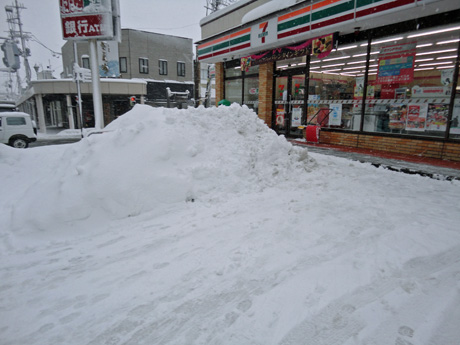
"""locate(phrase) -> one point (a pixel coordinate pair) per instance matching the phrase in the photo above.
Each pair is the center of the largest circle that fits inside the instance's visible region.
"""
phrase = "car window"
(15, 121)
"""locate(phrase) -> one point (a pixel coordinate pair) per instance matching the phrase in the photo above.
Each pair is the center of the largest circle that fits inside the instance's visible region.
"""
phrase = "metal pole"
(97, 97)
(78, 89)
(23, 43)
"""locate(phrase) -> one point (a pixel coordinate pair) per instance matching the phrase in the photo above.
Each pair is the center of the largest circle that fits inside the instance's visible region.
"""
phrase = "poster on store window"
(396, 63)
(359, 88)
(398, 116)
(335, 116)
(447, 76)
(455, 125)
(437, 117)
(416, 117)
(296, 120)
(280, 116)
(312, 110)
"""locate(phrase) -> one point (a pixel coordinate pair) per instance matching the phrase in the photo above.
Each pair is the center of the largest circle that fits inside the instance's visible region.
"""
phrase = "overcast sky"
(42, 19)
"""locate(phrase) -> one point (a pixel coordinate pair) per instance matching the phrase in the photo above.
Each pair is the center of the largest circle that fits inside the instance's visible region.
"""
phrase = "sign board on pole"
(87, 19)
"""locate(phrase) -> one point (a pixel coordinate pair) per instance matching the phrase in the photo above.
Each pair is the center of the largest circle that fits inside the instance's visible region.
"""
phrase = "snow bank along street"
(202, 226)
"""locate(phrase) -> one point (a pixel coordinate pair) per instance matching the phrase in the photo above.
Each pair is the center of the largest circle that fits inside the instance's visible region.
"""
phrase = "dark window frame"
(143, 66)
(163, 67)
(180, 69)
(123, 66)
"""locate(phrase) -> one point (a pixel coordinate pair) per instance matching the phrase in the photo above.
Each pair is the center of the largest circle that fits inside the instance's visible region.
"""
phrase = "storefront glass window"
(233, 72)
(242, 87)
(410, 87)
(455, 124)
(233, 91)
(251, 92)
(335, 87)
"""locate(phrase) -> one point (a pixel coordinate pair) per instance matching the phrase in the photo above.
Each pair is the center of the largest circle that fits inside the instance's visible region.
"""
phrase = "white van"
(16, 129)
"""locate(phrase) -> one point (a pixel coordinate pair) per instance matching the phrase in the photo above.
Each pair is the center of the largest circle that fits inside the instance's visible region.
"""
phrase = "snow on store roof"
(268, 8)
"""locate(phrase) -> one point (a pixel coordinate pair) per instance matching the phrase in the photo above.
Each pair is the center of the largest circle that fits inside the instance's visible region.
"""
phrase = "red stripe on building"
(334, 21)
(383, 7)
(294, 32)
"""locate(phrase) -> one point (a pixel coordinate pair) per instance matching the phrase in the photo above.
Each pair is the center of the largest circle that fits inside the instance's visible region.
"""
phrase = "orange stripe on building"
(245, 31)
(324, 3)
(294, 14)
(224, 38)
(204, 45)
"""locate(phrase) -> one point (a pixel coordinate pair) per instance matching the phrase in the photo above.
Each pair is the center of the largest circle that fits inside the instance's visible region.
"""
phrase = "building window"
(123, 65)
(181, 69)
(242, 87)
(143, 65)
(163, 66)
(85, 62)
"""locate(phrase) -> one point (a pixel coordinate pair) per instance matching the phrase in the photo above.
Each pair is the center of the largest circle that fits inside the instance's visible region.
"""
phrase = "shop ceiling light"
(349, 47)
(384, 41)
(447, 42)
(421, 60)
(370, 66)
(423, 69)
(437, 52)
(443, 67)
(364, 54)
(434, 32)
(446, 57)
(357, 62)
(337, 58)
(424, 45)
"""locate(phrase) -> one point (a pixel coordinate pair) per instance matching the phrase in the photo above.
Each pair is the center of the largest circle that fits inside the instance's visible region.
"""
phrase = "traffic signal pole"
(97, 96)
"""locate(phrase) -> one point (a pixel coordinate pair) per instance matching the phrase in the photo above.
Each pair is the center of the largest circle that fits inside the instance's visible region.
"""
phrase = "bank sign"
(87, 19)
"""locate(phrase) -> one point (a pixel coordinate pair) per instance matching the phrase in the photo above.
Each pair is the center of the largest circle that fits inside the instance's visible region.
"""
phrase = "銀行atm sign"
(86, 19)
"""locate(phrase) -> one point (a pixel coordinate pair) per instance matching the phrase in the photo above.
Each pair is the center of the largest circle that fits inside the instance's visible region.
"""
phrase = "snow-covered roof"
(268, 8)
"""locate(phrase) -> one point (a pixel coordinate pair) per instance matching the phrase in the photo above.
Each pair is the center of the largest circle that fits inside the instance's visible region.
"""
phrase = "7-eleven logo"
(264, 33)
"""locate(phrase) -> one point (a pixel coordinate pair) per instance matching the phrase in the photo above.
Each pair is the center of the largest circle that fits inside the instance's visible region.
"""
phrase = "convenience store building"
(374, 74)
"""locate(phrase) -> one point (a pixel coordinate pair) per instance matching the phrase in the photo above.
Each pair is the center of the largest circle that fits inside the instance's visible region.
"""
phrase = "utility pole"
(16, 32)
(214, 5)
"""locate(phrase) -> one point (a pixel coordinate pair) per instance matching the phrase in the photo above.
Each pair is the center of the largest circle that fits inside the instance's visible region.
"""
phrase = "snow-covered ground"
(202, 226)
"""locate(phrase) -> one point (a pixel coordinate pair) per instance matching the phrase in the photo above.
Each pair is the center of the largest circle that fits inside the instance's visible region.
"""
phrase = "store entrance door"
(289, 102)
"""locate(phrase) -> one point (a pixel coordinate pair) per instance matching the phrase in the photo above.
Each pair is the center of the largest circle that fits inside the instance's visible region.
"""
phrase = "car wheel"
(19, 143)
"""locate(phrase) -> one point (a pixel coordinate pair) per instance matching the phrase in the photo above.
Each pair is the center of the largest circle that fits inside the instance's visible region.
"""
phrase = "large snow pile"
(147, 158)
(100, 242)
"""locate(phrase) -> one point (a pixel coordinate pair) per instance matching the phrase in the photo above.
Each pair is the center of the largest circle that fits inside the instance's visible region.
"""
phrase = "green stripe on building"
(362, 3)
(205, 51)
(294, 22)
(226, 44)
(334, 10)
(240, 39)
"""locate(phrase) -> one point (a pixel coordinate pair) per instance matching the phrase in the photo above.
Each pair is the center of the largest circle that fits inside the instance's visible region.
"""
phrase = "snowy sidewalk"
(434, 168)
